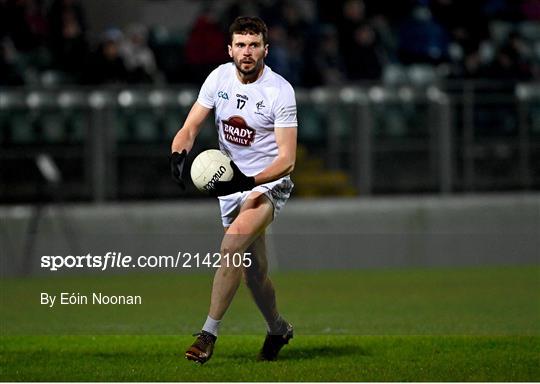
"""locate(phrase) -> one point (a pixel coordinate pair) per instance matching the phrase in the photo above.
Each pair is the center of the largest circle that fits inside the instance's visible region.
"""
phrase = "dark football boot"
(203, 347)
(273, 344)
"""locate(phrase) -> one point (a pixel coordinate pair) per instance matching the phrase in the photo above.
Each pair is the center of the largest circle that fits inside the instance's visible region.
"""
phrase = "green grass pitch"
(447, 324)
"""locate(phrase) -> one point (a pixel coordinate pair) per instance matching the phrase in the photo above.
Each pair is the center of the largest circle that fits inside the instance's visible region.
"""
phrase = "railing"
(112, 144)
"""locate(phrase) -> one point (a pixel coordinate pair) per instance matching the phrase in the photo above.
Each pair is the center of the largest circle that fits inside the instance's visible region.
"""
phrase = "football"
(208, 167)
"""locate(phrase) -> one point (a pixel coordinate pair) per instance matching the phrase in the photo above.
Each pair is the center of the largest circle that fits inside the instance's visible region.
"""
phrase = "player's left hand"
(177, 162)
(238, 183)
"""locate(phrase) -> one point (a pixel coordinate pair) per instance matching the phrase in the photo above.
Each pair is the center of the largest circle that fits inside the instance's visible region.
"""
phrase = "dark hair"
(248, 25)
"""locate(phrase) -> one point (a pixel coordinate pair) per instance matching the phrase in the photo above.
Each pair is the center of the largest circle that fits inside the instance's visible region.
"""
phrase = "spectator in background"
(511, 60)
(138, 57)
(394, 11)
(205, 45)
(279, 58)
(10, 68)
(68, 37)
(4, 19)
(242, 7)
(386, 38)
(297, 28)
(422, 39)
(353, 16)
(501, 9)
(362, 53)
(472, 66)
(294, 21)
(464, 21)
(106, 65)
(530, 9)
(326, 67)
(57, 14)
(368, 60)
(27, 24)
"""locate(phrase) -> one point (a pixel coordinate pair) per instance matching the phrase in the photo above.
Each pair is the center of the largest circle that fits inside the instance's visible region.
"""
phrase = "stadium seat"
(75, 124)
(499, 31)
(53, 78)
(311, 131)
(53, 128)
(134, 126)
(529, 30)
(22, 131)
(145, 127)
(421, 75)
(537, 51)
(171, 123)
(394, 75)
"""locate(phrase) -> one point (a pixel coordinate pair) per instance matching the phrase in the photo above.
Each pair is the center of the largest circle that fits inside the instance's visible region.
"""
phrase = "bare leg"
(255, 215)
(261, 287)
(246, 232)
(258, 282)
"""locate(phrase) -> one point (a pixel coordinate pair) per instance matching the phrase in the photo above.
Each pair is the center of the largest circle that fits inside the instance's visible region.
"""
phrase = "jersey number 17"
(240, 103)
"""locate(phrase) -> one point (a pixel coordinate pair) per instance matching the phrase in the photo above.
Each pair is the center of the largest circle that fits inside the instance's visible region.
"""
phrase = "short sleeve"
(285, 108)
(208, 90)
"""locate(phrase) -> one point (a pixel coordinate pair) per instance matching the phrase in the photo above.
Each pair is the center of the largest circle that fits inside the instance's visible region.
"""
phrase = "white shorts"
(277, 191)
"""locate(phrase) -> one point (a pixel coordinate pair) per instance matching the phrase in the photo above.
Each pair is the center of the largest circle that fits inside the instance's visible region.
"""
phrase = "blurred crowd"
(312, 43)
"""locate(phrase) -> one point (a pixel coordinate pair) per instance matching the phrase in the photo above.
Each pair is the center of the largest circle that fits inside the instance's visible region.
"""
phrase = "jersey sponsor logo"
(223, 95)
(236, 131)
(242, 97)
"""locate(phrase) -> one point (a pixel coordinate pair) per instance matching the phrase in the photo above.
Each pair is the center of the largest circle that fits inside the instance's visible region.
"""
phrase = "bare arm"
(283, 164)
(185, 137)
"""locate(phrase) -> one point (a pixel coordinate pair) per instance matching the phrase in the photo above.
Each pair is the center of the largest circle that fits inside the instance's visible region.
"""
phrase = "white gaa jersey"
(246, 114)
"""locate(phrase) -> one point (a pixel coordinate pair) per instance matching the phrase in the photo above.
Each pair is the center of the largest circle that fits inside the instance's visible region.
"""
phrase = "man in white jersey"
(255, 114)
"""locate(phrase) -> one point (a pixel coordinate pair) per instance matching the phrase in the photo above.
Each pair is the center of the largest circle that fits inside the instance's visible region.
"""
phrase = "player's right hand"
(177, 162)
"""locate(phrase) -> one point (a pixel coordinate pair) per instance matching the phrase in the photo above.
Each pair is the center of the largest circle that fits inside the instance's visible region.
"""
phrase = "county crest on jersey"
(246, 114)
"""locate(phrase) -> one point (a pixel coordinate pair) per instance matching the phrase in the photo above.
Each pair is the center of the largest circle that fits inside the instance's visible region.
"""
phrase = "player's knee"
(234, 242)
(238, 228)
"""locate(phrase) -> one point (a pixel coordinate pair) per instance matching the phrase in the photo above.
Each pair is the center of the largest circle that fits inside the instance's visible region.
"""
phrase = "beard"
(257, 65)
